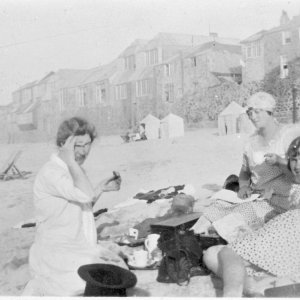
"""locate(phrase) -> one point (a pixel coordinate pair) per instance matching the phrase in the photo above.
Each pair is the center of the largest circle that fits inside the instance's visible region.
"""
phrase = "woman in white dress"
(66, 234)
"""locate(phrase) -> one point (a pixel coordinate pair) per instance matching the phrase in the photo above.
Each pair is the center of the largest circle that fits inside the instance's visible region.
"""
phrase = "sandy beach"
(201, 158)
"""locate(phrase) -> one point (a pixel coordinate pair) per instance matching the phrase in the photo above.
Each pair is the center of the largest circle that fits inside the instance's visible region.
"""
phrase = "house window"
(121, 91)
(167, 70)
(284, 71)
(151, 57)
(253, 49)
(130, 62)
(143, 87)
(169, 92)
(100, 94)
(82, 97)
(194, 61)
(103, 95)
(286, 37)
(62, 99)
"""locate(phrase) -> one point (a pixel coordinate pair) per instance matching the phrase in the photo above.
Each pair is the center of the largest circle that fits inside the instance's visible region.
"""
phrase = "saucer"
(130, 241)
(133, 266)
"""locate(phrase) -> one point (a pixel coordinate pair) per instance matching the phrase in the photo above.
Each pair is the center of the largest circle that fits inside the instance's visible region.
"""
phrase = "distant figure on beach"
(142, 133)
(66, 233)
(135, 137)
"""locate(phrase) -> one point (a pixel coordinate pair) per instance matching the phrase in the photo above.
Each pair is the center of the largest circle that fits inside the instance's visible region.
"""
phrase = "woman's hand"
(112, 183)
(245, 192)
(66, 152)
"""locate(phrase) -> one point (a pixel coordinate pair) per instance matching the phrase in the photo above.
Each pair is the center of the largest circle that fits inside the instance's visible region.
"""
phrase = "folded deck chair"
(10, 170)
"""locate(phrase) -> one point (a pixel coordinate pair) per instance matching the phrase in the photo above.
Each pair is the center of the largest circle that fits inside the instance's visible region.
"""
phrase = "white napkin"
(232, 197)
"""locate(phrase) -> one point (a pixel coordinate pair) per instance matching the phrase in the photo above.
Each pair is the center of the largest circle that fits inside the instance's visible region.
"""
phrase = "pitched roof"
(150, 119)
(27, 86)
(178, 39)
(254, 37)
(71, 78)
(171, 117)
(216, 46)
(101, 73)
(294, 22)
(232, 109)
(134, 47)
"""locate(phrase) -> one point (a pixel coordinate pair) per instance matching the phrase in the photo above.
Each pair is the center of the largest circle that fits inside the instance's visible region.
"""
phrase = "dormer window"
(167, 70)
(286, 37)
(130, 62)
(82, 96)
(151, 57)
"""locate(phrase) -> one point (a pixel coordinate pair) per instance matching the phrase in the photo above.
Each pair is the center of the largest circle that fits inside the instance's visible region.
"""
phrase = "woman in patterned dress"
(261, 170)
(271, 250)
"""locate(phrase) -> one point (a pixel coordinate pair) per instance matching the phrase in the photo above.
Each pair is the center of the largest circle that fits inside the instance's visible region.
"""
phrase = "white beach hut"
(233, 119)
(171, 126)
(152, 125)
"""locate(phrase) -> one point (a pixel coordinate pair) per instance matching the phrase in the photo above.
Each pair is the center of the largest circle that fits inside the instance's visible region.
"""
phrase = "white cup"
(140, 258)
(134, 233)
(151, 242)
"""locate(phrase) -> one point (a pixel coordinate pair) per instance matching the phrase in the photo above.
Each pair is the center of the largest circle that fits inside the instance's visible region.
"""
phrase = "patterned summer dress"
(274, 247)
(263, 177)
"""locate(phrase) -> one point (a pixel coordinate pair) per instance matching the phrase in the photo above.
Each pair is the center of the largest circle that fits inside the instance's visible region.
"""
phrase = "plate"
(150, 266)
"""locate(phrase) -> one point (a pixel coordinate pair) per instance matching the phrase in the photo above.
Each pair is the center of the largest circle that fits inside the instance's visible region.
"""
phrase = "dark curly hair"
(293, 150)
(74, 126)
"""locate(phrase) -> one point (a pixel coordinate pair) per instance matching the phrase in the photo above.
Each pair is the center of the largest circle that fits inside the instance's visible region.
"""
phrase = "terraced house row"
(149, 76)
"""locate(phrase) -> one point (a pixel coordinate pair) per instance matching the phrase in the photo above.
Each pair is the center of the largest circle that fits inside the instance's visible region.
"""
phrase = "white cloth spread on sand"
(66, 234)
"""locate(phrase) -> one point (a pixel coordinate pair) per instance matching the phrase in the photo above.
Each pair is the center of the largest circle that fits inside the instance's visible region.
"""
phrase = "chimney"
(284, 19)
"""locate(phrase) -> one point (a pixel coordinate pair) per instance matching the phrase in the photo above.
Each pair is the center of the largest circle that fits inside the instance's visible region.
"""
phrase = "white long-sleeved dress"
(66, 234)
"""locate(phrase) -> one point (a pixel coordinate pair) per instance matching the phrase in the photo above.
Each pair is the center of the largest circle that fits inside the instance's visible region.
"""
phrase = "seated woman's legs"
(230, 267)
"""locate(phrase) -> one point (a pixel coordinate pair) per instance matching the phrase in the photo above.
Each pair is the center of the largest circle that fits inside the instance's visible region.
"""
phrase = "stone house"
(268, 49)
(138, 87)
(130, 63)
(194, 70)
(99, 102)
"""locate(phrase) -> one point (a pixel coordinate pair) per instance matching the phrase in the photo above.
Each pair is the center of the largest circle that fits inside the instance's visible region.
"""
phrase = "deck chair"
(10, 169)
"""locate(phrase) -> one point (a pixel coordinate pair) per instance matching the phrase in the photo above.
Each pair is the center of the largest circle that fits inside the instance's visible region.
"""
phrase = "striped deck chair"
(10, 169)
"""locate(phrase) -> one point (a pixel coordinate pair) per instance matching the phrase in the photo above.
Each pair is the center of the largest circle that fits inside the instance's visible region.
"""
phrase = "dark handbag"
(182, 256)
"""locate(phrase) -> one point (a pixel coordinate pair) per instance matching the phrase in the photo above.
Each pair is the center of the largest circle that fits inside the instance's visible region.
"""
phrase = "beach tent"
(152, 125)
(233, 119)
(171, 126)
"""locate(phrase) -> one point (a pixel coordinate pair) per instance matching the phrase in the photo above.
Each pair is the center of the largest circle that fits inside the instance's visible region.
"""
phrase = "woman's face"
(82, 148)
(259, 117)
(295, 167)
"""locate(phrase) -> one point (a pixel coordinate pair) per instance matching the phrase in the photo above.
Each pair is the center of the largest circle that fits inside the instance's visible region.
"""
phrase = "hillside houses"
(149, 76)
(268, 49)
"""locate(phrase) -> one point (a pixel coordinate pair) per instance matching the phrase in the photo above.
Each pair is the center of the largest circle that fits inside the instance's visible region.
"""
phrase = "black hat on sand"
(106, 280)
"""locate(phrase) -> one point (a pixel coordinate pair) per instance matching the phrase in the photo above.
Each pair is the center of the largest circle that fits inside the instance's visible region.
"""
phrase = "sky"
(39, 36)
